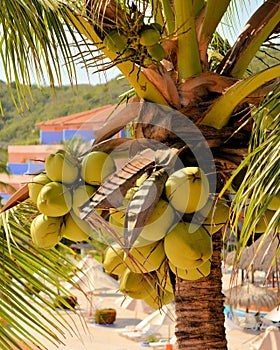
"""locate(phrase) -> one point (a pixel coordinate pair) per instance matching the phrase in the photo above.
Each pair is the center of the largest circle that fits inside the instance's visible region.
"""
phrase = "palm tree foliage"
(30, 281)
(202, 76)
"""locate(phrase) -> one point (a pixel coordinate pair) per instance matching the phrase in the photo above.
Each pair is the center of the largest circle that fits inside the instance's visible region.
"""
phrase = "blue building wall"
(85, 135)
(17, 169)
(55, 137)
(4, 197)
(35, 168)
(51, 137)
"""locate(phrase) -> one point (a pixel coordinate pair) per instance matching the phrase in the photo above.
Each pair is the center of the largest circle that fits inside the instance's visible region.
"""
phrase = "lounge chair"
(250, 322)
(231, 324)
(141, 334)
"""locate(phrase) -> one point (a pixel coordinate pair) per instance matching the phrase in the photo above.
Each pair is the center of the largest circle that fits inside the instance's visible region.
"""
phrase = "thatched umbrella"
(248, 295)
(260, 256)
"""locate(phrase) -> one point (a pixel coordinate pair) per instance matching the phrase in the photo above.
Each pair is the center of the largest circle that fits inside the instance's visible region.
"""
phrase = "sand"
(84, 334)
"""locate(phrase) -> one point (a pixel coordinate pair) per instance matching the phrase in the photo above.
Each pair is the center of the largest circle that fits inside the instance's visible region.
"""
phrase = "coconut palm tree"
(199, 95)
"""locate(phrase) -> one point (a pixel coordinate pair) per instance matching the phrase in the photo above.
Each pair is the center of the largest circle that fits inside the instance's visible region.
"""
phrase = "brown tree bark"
(199, 305)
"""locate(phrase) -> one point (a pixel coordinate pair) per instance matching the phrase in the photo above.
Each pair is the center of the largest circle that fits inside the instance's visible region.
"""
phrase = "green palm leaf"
(34, 39)
(30, 281)
(261, 181)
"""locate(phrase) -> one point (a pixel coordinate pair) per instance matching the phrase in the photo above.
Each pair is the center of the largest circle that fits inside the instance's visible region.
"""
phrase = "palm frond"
(258, 28)
(261, 181)
(30, 281)
(220, 111)
(34, 44)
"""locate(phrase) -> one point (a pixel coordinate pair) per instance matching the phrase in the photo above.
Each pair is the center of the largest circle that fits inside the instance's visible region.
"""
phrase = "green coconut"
(187, 189)
(61, 167)
(116, 220)
(36, 184)
(188, 246)
(192, 274)
(96, 166)
(115, 41)
(81, 195)
(275, 202)
(149, 37)
(76, 229)
(159, 223)
(46, 231)
(54, 199)
(216, 215)
(159, 298)
(156, 52)
(264, 221)
(145, 258)
(136, 285)
(113, 262)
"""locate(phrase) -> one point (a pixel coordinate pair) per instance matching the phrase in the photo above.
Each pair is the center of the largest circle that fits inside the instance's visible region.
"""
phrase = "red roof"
(92, 119)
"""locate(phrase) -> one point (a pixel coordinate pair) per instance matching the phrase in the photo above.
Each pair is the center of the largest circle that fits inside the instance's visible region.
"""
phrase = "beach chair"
(250, 322)
(231, 324)
(141, 334)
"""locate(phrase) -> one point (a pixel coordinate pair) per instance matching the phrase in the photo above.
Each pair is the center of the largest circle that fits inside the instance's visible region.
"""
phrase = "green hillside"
(18, 128)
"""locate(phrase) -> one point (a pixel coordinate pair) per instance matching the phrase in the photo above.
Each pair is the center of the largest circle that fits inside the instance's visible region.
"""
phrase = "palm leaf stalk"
(220, 104)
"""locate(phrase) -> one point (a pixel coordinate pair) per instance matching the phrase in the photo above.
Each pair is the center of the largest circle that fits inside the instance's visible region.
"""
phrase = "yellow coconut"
(159, 222)
(116, 220)
(146, 258)
(136, 285)
(163, 276)
(264, 221)
(114, 260)
(192, 274)
(159, 298)
(62, 167)
(54, 199)
(187, 189)
(81, 195)
(155, 228)
(96, 166)
(188, 245)
(140, 242)
(76, 229)
(46, 231)
(216, 215)
(36, 184)
(275, 202)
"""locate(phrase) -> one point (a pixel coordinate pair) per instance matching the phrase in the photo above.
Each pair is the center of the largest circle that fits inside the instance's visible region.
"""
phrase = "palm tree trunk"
(200, 322)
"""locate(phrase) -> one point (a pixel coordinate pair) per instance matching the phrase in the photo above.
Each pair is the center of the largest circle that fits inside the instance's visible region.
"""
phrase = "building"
(26, 160)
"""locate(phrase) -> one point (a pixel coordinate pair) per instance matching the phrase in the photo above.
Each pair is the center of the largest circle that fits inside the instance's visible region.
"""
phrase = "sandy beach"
(83, 334)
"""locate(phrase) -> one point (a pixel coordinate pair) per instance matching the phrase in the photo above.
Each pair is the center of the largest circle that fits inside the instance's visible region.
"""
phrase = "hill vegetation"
(19, 128)
(16, 128)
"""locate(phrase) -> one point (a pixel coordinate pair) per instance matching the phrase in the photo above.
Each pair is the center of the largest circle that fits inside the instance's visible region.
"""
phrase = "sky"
(82, 78)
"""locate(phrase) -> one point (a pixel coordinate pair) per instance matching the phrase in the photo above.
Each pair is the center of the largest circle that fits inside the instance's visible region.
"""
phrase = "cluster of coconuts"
(167, 246)
(66, 184)
(144, 45)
